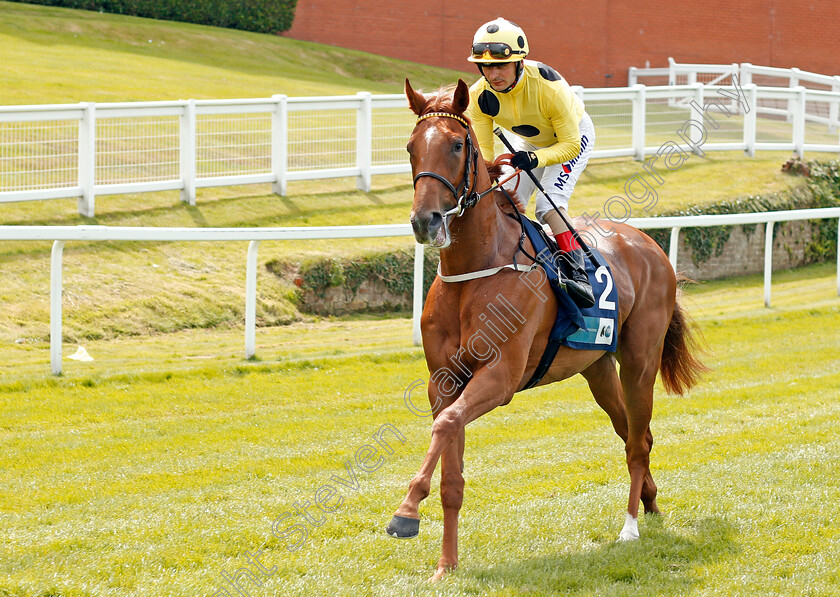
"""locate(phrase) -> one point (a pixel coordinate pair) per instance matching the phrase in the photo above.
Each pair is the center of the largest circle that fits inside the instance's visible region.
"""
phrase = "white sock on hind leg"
(630, 532)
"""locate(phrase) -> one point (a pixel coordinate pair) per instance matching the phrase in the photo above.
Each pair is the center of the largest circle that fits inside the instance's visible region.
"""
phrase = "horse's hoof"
(439, 573)
(402, 527)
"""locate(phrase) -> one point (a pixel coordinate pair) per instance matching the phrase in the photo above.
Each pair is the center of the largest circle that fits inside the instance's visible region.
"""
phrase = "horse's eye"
(459, 145)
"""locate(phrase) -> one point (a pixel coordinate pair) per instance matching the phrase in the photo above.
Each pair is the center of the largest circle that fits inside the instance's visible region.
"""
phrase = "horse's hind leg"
(638, 374)
(608, 391)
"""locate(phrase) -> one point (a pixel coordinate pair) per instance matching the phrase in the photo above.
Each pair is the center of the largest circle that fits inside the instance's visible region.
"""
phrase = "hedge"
(262, 16)
(822, 190)
(392, 271)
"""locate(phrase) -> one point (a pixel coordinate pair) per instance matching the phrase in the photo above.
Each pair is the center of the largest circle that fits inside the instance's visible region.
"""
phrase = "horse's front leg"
(451, 497)
(487, 390)
(405, 523)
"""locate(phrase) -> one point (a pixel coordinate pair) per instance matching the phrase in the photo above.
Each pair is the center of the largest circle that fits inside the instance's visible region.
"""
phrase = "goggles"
(496, 50)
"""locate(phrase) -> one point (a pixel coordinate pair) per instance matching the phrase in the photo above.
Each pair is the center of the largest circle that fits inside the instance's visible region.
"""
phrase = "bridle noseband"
(468, 197)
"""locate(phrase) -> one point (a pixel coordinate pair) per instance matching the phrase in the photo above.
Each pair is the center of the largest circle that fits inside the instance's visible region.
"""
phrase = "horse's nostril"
(435, 221)
(426, 225)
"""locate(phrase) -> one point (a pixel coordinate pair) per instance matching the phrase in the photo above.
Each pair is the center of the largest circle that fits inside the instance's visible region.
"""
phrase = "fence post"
(55, 306)
(639, 125)
(187, 157)
(746, 74)
(631, 76)
(834, 107)
(735, 105)
(745, 78)
(751, 92)
(794, 83)
(364, 140)
(768, 262)
(799, 122)
(251, 299)
(672, 80)
(697, 132)
(280, 144)
(87, 160)
(674, 246)
(417, 307)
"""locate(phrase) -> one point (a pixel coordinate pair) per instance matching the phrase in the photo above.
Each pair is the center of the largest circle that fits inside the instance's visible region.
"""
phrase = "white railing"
(680, 73)
(60, 234)
(769, 218)
(85, 150)
(685, 74)
(718, 74)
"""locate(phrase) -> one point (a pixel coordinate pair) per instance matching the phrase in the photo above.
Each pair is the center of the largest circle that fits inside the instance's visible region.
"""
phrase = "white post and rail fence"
(88, 150)
(768, 76)
(254, 236)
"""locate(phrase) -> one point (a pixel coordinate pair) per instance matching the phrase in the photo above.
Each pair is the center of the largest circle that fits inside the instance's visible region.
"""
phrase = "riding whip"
(583, 245)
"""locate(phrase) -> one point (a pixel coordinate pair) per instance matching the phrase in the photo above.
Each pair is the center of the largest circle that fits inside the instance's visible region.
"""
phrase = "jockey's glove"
(524, 160)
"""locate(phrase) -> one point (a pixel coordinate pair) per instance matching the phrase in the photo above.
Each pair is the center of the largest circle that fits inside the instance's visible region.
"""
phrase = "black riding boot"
(577, 282)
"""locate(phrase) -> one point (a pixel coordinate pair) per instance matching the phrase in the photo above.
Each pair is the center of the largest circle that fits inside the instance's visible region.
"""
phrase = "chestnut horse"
(467, 381)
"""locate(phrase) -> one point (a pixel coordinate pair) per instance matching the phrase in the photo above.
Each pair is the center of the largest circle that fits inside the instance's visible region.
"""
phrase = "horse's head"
(441, 153)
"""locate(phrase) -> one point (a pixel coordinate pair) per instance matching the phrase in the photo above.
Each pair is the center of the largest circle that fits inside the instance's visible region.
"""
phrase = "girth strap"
(545, 362)
(484, 273)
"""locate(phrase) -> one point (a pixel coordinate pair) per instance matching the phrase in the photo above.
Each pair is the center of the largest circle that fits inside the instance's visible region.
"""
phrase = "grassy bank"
(57, 55)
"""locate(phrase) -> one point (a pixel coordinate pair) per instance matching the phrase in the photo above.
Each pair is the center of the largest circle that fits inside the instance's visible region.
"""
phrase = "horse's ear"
(461, 97)
(416, 100)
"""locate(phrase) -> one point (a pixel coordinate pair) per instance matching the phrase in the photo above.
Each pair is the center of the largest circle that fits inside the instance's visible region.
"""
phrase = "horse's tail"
(681, 368)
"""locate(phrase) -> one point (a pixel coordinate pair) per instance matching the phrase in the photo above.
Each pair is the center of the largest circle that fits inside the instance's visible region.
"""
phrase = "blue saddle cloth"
(593, 328)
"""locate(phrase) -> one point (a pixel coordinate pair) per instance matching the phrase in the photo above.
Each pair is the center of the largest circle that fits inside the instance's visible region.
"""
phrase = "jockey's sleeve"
(564, 110)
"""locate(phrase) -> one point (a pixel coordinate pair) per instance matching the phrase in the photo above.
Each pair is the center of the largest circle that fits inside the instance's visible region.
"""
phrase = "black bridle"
(465, 194)
(469, 196)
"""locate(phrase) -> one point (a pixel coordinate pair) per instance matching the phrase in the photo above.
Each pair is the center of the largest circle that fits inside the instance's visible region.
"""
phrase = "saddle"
(593, 328)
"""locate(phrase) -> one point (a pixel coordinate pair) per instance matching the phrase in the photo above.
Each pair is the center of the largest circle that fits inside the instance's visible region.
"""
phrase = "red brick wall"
(591, 43)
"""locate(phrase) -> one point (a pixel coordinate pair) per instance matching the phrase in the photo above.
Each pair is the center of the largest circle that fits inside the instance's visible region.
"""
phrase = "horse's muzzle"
(429, 228)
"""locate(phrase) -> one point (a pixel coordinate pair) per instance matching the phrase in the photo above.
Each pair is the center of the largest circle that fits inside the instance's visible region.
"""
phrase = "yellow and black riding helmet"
(499, 41)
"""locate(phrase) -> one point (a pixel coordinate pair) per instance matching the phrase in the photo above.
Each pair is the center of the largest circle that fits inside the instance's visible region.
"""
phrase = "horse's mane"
(441, 100)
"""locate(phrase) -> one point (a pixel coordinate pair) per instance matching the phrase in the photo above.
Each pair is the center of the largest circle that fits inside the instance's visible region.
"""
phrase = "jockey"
(553, 134)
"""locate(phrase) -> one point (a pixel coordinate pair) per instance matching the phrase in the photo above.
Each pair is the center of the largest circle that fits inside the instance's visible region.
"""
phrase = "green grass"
(161, 463)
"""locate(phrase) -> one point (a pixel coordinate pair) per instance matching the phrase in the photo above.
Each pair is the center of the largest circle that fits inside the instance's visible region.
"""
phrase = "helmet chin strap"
(519, 70)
